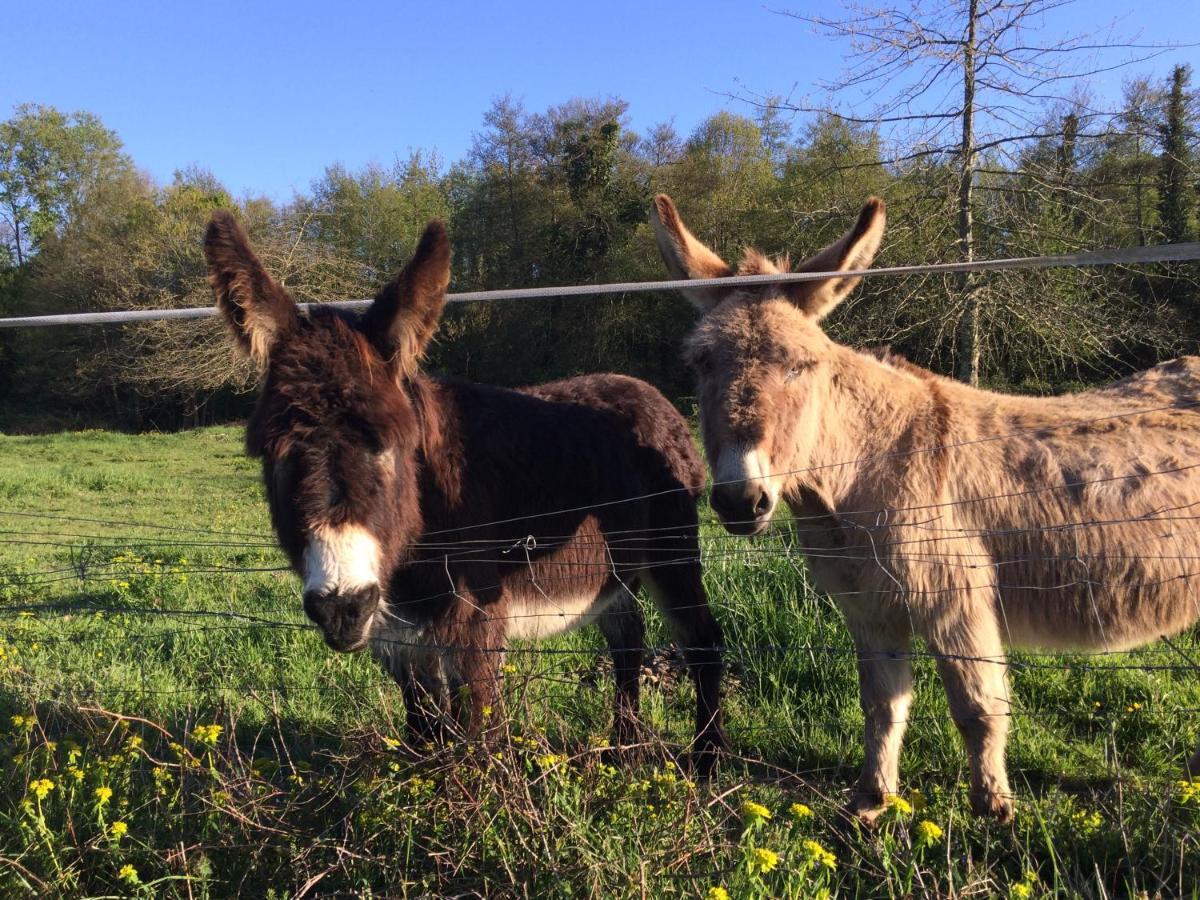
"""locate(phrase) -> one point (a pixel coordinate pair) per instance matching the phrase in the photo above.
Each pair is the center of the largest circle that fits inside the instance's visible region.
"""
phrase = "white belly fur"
(559, 613)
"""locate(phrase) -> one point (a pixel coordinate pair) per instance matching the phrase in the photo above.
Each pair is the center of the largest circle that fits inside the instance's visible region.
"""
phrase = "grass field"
(155, 745)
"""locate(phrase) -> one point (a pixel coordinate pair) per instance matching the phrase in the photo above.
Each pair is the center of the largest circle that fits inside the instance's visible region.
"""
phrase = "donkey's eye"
(791, 373)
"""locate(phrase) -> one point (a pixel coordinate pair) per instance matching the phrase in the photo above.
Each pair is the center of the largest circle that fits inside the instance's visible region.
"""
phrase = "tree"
(49, 162)
(1176, 174)
(960, 82)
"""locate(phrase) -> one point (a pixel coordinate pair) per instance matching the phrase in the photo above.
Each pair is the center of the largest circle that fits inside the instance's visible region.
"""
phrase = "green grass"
(110, 673)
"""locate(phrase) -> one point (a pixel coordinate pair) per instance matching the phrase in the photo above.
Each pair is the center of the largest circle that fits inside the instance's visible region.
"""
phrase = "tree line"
(561, 196)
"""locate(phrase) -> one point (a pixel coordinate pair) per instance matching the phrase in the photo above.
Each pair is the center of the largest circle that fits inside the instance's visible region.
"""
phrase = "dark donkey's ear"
(405, 314)
(256, 308)
(685, 256)
(853, 250)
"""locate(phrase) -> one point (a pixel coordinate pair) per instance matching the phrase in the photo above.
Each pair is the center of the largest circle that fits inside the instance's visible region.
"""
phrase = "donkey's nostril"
(762, 506)
(316, 608)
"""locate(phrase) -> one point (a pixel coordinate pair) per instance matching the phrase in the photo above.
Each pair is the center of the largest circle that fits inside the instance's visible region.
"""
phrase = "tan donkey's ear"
(257, 310)
(853, 251)
(685, 256)
(405, 314)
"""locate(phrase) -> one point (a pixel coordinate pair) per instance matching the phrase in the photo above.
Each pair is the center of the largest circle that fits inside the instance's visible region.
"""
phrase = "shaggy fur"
(970, 519)
(494, 513)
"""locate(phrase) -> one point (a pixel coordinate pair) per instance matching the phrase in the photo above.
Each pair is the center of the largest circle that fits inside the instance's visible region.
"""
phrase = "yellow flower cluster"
(550, 760)
(818, 854)
(1189, 791)
(800, 812)
(754, 813)
(764, 860)
(129, 873)
(1022, 890)
(207, 734)
(898, 804)
(23, 723)
(1087, 823)
(41, 787)
(103, 795)
(928, 833)
(118, 829)
(717, 893)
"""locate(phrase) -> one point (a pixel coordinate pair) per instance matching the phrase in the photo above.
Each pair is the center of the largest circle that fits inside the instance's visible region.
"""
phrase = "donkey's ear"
(405, 314)
(257, 310)
(685, 256)
(854, 250)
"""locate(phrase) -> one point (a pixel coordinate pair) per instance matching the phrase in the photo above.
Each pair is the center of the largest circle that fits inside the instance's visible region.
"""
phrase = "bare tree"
(963, 83)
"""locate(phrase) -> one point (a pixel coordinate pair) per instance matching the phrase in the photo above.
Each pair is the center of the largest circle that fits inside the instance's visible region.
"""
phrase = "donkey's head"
(337, 424)
(761, 359)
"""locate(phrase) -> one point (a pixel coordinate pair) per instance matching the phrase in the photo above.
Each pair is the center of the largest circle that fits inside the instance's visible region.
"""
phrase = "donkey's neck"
(878, 416)
(439, 449)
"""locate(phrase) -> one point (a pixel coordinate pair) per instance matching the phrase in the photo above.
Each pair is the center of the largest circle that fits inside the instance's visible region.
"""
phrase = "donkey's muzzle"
(743, 507)
(344, 617)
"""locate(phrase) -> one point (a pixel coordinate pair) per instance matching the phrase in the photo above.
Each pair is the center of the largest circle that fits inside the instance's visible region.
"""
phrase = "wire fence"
(880, 531)
(1160, 253)
(1080, 557)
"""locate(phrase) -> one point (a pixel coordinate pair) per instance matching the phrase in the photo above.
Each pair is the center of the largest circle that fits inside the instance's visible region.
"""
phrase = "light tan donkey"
(969, 519)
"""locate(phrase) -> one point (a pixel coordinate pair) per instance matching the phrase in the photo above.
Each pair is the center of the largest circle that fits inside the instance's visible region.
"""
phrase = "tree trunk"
(968, 326)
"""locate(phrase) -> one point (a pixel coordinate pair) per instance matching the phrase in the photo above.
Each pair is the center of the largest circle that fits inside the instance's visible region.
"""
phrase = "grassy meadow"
(170, 726)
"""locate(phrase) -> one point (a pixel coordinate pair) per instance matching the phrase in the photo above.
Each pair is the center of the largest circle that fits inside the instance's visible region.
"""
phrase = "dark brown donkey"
(434, 520)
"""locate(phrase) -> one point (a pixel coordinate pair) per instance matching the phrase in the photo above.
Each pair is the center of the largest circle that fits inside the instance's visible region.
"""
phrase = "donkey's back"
(1091, 529)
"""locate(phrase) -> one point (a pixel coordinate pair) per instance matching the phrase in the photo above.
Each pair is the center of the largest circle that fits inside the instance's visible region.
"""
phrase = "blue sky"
(267, 94)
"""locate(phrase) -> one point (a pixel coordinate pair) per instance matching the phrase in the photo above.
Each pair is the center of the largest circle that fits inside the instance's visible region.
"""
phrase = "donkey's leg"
(973, 667)
(678, 593)
(883, 643)
(1193, 765)
(623, 628)
(424, 693)
(478, 659)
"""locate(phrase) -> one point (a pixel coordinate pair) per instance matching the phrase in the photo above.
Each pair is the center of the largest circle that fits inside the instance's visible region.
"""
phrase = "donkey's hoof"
(992, 805)
(865, 807)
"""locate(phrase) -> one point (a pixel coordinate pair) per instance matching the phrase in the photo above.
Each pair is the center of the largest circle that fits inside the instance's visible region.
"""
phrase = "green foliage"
(1177, 175)
(49, 162)
(561, 197)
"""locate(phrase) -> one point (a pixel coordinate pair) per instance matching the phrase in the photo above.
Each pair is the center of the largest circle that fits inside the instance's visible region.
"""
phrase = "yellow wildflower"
(207, 734)
(103, 795)
(764, 860)
(41, 787)
(1087, 822)
(717, 893)
(129, 873)
(928, 833)
(1021, 891)
(1189, 791)
(818, 854)
(898, 804)
(755, 812)
(800, 812)
(118, 829)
